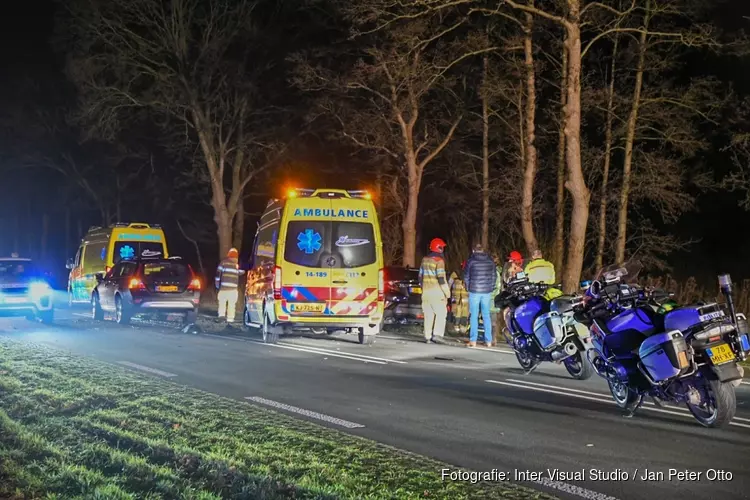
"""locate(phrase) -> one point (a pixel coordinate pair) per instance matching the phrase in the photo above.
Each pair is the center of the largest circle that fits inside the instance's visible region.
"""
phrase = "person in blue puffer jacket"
(480, 277)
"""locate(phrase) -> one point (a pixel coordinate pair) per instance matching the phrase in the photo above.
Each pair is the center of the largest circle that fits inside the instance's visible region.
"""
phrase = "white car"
(24, 290)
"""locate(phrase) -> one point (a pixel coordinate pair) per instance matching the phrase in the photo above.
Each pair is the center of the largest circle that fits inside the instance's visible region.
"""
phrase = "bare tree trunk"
(410, 217)
(485, 157)
(576, 183)
(239, 225)
(45, 237)
(559, 253)
(527, 206)
(622, 215)
(599, 261)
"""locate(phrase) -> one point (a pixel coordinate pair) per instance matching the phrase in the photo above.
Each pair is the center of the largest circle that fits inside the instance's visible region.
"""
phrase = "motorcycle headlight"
(39, 289)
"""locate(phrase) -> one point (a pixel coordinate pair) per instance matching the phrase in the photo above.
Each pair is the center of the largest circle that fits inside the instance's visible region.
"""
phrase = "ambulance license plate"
(721, 354)
(307, 308)
(170, 288)
(416, 289)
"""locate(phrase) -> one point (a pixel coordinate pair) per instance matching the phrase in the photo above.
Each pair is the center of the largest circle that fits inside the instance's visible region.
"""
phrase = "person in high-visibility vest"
(435, 292)
(539, 270)
(459, 303)
(227, 283)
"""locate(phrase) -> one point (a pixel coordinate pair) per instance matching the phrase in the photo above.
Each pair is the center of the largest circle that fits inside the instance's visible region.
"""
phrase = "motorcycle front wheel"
(578, 367)
(625, 397)
(718, 403)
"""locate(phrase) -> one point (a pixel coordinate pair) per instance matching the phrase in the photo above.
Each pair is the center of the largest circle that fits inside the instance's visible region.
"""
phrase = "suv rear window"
(310, 243)
(137, 249)
(165, 270)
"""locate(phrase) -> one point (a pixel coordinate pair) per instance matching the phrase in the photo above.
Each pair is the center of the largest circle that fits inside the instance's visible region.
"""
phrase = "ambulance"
(102, 248)
(317, 265)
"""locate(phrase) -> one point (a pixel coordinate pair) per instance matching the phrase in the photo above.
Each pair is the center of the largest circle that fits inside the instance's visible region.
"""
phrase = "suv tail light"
(381, 285)
(277, 283)
(195, 285)
(136, 284)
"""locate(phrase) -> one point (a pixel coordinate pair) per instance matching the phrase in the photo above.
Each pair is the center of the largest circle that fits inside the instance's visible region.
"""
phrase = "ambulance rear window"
(354, 242)
(125, 250)
(311, 243)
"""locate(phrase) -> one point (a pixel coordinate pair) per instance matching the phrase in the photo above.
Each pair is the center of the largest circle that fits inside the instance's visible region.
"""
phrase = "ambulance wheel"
(97, 312)
(365, 339)
(246, 318)
(270, 334)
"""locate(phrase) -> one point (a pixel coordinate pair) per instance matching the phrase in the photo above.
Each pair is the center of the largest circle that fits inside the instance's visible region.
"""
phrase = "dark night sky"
(25, 49)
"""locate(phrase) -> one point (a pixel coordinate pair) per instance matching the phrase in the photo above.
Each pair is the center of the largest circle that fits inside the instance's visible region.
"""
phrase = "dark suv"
(147, 286)
(403, 296)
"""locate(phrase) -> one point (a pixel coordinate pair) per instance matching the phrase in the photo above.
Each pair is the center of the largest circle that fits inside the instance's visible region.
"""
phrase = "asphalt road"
(471, 408)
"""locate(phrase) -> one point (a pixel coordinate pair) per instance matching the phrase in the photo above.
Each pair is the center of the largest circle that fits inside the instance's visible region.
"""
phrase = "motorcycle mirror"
(595, 289)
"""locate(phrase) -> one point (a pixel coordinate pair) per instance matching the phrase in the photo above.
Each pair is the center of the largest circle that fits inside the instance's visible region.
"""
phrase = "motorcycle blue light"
(745, 341)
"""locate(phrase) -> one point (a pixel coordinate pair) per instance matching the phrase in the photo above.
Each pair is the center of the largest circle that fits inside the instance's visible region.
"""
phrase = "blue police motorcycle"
(539, 330)
(644, 346)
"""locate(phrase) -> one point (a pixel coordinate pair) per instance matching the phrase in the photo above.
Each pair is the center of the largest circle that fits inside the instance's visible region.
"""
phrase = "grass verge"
(73, 427)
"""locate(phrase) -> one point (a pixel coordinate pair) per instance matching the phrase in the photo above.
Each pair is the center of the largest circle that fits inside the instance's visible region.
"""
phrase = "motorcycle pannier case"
(549, 330)
(664, 355)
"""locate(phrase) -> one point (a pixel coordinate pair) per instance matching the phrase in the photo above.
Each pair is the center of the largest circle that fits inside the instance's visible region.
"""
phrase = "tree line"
(582, 128)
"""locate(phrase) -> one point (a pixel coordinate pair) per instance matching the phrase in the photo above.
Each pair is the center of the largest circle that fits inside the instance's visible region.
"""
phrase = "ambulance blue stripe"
(306, 293)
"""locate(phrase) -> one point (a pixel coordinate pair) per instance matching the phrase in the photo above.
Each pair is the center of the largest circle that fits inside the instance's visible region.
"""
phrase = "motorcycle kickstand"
(635, 409)
(528, 372)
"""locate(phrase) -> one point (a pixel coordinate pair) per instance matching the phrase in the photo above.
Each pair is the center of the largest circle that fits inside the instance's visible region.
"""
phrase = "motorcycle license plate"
(307, 308)
(416, 289)
(721, 354)
(167, 288)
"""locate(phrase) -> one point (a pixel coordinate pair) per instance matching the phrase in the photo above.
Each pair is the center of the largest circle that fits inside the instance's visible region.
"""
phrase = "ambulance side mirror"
(70, 264)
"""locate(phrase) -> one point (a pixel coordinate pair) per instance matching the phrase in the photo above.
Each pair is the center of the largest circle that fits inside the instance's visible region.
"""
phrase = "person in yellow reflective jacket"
(539, 270)
(435, 292)
(459, 303)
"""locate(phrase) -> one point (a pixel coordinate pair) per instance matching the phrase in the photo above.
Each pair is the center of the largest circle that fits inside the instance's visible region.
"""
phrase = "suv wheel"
(122, 315)
(96, 308)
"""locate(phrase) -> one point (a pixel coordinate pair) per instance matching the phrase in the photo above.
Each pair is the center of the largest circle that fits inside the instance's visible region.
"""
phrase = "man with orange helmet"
(435, 291)
(227, 283)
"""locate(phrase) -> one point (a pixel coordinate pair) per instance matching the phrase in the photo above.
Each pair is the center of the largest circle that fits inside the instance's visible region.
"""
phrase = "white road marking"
(147, 369)
(335, 355)
(330, 351)
(601, 399)
(604, 395)
(314, 350)
(745, 383)
(307, 413)
(573, 490)
(82, 315)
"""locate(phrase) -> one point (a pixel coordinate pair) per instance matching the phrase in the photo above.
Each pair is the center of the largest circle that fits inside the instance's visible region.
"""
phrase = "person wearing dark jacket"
(480, 277)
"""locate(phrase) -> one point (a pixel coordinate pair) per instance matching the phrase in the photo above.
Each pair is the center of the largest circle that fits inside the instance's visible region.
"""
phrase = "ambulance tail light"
(381, 285)
(277, 283)
(107, 269)
(195, 285)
